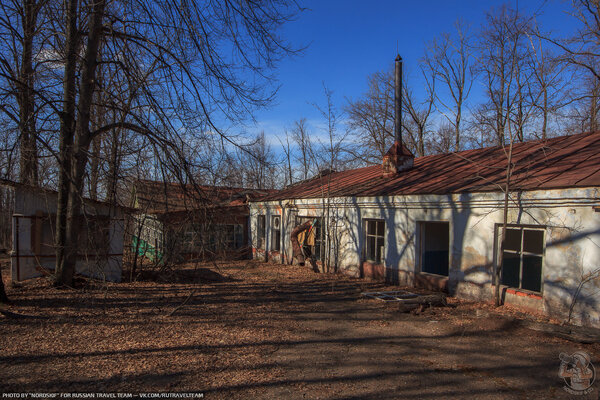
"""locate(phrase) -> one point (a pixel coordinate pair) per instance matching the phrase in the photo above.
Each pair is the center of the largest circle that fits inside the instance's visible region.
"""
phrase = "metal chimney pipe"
(398, 100)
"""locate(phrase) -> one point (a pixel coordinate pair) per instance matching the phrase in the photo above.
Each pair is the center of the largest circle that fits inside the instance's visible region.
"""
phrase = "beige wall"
(571, 226)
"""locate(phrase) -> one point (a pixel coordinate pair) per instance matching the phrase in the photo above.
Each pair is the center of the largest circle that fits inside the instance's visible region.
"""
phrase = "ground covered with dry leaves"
(256, 330)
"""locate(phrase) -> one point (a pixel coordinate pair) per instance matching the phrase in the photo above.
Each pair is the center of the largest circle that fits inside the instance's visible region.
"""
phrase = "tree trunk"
(79, 157)
(504, 225)
(67, 128)
(27, 128)
(3, 296)
(500, 127)
(457, 131)
(97, 120)
(594, 109)
(113, 166)
(545, 114)
(289, 160)
(95, 167)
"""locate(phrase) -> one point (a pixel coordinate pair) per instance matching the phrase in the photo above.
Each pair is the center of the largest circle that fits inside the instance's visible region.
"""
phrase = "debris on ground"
(259, 330)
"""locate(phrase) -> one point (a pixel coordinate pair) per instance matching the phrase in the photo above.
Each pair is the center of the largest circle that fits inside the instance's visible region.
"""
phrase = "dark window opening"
(213, 237)
(435, 247)
(260, 228)
(522, 258)
(231, 236)
(374, 240)
(276, 233)
(313, 240)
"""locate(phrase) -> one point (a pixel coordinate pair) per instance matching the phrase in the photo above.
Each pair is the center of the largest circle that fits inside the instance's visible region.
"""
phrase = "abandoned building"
(435, 221)
(33, 209)
(438, 223)
(176, 222)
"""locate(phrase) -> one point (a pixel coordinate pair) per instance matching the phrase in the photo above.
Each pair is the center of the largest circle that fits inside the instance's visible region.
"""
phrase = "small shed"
(176, 222)
(100, 245)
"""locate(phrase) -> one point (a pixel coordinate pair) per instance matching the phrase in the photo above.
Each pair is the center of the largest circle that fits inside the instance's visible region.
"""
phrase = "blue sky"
(348, 40)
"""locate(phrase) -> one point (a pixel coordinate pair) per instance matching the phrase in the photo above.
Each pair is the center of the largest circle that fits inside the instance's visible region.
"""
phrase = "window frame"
(521, 253)
(261, 231)
(422, 229)
(212, 237)
(275, 244)
(229, 236)
(376, 236)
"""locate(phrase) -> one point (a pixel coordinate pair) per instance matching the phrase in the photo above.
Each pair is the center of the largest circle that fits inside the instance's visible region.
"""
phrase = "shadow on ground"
(269, 332)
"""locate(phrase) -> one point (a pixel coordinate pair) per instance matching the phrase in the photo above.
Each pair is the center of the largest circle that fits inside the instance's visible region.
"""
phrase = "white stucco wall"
(25, 263)
(572, 239)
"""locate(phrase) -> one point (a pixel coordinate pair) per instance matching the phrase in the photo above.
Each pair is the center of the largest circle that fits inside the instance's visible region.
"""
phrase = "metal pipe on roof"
(398, 100)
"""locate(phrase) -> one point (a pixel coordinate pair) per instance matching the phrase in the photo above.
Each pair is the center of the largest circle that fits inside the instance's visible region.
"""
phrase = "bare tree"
(593, 107)
(173, 77)
(582, 112)
(371, 119)
(333, 148)
(257, 164)
(500, 62)
(508, 150)
(75, 134)
(451, 60)
(305, 158)
(287, 151)
(583, 48)
(418, 121)
(524, 107)
(19, 27)
(550, 86)
(444, 139)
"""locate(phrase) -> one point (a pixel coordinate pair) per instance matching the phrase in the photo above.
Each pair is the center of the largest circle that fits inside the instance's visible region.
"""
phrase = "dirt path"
(263, 331)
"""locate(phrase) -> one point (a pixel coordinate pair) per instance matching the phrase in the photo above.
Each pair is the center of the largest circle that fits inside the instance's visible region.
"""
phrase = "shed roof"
(561, 162)
(165, 197)
(52, 192)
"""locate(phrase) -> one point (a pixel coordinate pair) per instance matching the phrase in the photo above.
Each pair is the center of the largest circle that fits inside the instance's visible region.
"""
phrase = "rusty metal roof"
(562, 162)
(166, 197)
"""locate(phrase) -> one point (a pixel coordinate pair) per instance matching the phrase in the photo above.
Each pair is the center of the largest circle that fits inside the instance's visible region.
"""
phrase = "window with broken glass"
(276, 233)
(374, 239)
(313, 239)
(260, 231)
(522, 258)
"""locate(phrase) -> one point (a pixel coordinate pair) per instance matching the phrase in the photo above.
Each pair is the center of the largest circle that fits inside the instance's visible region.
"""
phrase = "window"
(435, 245)
(212, 237)
(238, 236)
(313, 239)
(190, 239)
(522, 258)
(276, 233)
(374, 238)
(260, 232)
(230, 236)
